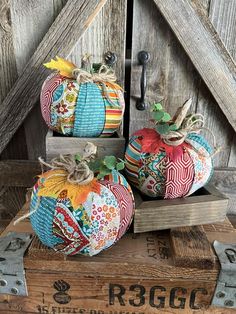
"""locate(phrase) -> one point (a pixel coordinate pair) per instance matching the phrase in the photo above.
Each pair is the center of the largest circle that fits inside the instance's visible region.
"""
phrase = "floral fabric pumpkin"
(83, 219)
(81, 109)
(160, 170)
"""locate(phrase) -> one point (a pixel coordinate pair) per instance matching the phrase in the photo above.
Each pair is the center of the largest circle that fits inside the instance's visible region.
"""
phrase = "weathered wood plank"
(223, 15)
(106, 33)
(225, 180)
(17, 147)
(191, 248)
(170, 74)
(60, 39)
(190, 211)
(21, 173)
(203, 46)
(29, 24)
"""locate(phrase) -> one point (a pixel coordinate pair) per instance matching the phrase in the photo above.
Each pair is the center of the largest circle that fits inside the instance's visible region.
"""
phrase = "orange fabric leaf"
(56, 182)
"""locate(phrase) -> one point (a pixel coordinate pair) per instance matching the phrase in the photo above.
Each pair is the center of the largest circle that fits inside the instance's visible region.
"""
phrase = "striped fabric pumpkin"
(160, 170)
(81, 110)
(89, 227)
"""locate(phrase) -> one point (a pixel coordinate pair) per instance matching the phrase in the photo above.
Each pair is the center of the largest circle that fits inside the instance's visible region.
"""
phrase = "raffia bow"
(105, 74)
(76, 172)
(193, 123)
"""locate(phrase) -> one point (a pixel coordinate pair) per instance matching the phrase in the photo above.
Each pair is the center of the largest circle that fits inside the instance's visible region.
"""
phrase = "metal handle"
(143, 57)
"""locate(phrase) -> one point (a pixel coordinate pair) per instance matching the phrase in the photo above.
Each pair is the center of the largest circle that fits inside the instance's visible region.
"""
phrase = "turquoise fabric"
(89, 111)
(200, 140)
(42, 220)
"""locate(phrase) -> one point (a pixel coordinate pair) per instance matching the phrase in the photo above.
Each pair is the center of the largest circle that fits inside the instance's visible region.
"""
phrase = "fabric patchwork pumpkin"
(160, 170)
(81, 110)
(81, 219)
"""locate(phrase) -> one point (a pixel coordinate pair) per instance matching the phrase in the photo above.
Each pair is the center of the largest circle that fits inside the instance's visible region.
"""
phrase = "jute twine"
(193, 123)
(75, 172)
(105, 74)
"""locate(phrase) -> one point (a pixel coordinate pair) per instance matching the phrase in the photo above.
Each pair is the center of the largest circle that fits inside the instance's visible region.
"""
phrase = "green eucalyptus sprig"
(162, 119)
(105, 166)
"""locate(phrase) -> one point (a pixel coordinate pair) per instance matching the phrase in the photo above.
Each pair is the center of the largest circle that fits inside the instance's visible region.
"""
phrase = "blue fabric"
(42, 219)
(200, 140)
(89, 111)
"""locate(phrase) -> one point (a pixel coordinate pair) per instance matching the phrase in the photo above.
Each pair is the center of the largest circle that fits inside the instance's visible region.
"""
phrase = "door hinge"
(225, 293)
(12, 273)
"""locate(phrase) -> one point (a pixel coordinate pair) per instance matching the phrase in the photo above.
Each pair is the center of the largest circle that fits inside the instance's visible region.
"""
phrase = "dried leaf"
(64, 67)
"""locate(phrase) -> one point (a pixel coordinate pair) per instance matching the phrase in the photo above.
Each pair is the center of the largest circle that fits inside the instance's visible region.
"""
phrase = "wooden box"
(167, 272)
(207, 206)
(57, 144)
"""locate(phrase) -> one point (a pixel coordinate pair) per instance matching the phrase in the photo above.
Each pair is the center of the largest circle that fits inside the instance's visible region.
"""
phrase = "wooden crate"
(57, 144)
(171, 272)
(208, 206)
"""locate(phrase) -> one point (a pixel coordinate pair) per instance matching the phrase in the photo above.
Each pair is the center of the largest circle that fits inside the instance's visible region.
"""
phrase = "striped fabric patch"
(89, 112)
(46, 96)
(179, 176)
(114, 112)
(132, 159)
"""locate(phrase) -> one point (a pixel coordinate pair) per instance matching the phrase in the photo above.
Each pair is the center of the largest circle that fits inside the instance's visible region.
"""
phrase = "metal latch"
(225, 293)
(12, 273)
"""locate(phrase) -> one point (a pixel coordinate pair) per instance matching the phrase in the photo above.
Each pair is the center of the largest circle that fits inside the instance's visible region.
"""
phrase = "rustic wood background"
(171, 74)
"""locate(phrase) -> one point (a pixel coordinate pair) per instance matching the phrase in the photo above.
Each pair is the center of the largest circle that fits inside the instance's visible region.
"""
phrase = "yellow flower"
(56, 182)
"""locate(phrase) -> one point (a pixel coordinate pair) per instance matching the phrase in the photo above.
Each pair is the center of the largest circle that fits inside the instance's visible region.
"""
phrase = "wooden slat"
(71, 23)
(225, 180)
(29, 24)
(190, 211)
(171, 77)
(203, 46)
(21, 173)
(17, 146)
(191, 248)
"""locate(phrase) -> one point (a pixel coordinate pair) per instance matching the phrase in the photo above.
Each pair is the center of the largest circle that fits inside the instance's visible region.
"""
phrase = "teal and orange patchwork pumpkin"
(78, 103)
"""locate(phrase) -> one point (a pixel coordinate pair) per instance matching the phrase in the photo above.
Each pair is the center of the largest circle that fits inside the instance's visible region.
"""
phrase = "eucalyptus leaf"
(157, 106)
(173, 127)
(95, 165)
(158, 115)
(120, 166)
(162, 128)
(166, 117)
(78, 157)
(110, 162)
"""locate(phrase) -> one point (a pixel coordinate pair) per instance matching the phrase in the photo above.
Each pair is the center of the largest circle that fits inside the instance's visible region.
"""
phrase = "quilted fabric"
(81, 110)
(159, 170)
(96, 224)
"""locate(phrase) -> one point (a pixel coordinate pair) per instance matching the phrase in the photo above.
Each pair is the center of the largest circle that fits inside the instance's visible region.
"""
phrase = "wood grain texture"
(106, 33)
(29, 24)
(170, 73)
(222, 15)
(16, 148)
(21, 173)
(205, 49)
(60, 39)
(190, 211)
(225, 180)
(145, 259)
(56, 145)
(191, 248)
